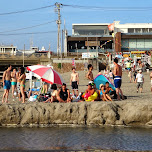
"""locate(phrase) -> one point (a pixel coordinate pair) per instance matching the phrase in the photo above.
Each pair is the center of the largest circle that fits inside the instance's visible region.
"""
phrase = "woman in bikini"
(103, 95)
(22, 83)
(54, 94)
(14, 81)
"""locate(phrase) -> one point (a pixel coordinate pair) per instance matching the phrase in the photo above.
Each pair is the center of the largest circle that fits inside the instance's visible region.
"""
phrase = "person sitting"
(90, 93)
(53, 95)
(32, 96)
(63, 94)
(110, 91)
(103, 95)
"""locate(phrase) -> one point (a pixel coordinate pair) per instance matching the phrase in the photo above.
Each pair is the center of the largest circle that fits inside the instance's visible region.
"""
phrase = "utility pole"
(58, 8)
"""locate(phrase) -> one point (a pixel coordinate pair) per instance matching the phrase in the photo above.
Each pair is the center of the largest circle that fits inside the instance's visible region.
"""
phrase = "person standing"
(90, 74)
(151, 80)
(22, 83)
(140, 81)
(117, 80)
(74, 81)
(18, 74)
(111, 76)
(14, 81)
(6, 83)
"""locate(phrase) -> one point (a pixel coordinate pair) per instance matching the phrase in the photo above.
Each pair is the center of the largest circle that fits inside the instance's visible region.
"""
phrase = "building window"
(150, 30)
(130, 30)
(145, 30)
(138, 30)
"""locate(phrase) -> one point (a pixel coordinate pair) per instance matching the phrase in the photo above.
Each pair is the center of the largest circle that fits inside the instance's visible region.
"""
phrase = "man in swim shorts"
(117, 80)
(74, 81)
(6, 83)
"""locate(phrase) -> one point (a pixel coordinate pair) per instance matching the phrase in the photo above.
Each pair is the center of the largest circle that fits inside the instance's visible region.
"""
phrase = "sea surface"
(76, 138)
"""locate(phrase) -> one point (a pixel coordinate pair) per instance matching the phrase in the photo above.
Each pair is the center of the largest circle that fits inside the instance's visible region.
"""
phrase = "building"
(97, 37)
(89, 37)
(8, 49)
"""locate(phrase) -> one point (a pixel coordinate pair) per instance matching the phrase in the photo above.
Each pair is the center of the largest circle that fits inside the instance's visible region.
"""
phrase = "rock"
(94, 113)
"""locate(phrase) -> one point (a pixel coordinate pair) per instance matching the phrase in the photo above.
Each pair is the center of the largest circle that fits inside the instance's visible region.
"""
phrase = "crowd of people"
(16, 80)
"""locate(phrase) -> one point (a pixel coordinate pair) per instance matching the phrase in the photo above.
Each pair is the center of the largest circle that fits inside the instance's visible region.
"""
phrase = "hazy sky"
(71, 15)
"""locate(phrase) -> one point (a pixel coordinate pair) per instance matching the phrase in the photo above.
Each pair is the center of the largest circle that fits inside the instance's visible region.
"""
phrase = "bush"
(59, 65)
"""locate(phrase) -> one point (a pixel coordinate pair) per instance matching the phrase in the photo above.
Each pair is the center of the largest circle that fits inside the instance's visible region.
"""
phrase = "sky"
(11, 22)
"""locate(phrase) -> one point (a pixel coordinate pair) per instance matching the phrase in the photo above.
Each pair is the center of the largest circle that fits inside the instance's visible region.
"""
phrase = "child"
(90, 74)
(140, 81)
(130, 75)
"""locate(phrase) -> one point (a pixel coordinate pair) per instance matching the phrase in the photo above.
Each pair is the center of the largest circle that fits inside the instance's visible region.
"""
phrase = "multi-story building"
(97, 37)
(89, 37)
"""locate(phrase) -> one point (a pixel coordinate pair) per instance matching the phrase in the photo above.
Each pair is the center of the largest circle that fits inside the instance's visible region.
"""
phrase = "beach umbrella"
(46, 73)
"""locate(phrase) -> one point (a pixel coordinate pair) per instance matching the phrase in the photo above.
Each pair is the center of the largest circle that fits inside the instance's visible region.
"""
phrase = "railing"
(90, 50)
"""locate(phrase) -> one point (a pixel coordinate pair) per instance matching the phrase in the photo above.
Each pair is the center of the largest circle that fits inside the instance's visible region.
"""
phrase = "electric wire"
(29, 27)
(110, 8)
(23, 11)
(29, 33)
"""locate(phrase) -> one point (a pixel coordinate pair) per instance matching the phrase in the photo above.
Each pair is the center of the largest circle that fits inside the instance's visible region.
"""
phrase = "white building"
(8, 49)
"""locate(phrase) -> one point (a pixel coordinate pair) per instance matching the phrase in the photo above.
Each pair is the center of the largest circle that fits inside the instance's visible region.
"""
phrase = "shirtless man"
(151, 80)
(14, 81)
(6, 83)
(18, 83)
(90, 74)
(74, 81)
(117, 80)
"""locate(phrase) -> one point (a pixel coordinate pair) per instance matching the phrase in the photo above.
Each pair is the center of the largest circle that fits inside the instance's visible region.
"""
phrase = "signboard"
(90, 55)
(85, 55)
(92, 43)
(137, 52)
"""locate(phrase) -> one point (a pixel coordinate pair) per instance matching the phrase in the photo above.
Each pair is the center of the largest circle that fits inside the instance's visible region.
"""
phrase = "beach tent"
(101, 79)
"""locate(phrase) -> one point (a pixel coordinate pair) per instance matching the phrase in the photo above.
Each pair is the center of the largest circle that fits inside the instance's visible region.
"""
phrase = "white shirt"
(139, 77)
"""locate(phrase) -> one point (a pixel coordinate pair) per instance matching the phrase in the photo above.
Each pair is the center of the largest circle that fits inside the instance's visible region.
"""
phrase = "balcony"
(91, 50)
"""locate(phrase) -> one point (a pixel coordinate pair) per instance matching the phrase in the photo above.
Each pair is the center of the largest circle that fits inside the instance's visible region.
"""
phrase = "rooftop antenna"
(31, 42)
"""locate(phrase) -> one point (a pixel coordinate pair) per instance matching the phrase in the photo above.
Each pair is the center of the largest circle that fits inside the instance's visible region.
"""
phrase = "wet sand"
(129, 89)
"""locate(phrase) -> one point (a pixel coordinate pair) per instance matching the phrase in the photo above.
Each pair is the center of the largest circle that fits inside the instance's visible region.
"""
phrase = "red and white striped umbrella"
(47, 74)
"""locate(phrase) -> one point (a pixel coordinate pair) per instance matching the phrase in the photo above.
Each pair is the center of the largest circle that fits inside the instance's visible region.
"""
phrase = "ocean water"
(76, 138)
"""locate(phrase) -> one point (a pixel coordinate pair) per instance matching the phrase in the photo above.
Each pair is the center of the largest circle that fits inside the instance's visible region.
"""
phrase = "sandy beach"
(129, 89)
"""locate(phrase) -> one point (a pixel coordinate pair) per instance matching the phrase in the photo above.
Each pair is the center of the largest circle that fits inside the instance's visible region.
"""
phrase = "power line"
(28, 27)
(28, 10)
(110, 8)
(28, 33)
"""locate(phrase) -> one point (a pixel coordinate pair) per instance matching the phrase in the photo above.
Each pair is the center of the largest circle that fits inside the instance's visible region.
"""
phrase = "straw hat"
(101, 85)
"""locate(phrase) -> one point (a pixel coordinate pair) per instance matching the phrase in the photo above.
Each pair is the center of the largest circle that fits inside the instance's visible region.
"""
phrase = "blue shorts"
(128, 68)
(7, 84)
(117, 81)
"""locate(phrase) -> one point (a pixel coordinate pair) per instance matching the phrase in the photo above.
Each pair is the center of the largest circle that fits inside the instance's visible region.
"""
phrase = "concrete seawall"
(97, 113)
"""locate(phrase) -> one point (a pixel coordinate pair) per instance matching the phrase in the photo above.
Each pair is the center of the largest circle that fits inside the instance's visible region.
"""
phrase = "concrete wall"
(133, 113)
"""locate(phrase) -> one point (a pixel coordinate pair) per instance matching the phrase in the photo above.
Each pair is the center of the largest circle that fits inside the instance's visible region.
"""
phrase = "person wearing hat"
(103, 95)
(139, 81)
(90, 93)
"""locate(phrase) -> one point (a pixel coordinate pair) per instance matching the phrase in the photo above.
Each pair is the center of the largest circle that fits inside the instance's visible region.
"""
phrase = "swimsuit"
(117, 81)
(74, 85)
(64, 95)
(7, 84)
(13, 83)
(101, 93)
(22, 85)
